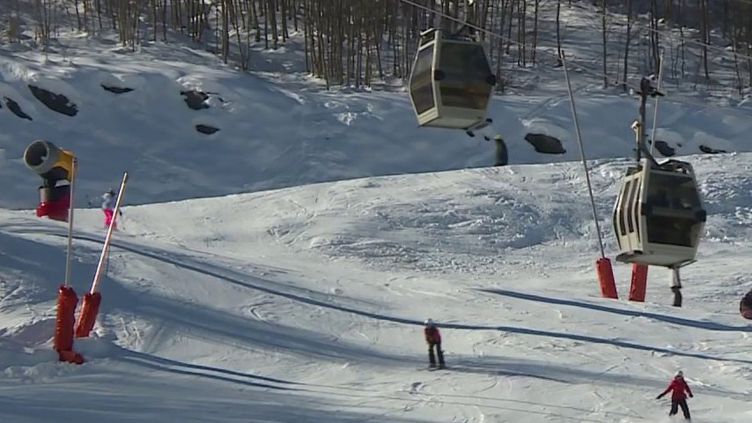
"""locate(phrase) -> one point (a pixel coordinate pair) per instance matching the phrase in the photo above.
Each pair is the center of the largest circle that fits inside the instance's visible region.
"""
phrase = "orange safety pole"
(606, 278)
(93, 299)
(639, 282)
(88, 315)
(65, 319)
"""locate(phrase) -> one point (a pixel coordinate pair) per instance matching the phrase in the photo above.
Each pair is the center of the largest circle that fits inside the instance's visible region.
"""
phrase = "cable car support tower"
(658, 216)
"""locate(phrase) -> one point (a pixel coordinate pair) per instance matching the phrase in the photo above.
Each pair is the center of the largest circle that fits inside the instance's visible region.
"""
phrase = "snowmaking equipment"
(56, 167)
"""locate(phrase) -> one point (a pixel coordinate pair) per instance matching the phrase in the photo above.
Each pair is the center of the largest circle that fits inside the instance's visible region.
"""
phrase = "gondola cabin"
(451, 81)
(658, 216)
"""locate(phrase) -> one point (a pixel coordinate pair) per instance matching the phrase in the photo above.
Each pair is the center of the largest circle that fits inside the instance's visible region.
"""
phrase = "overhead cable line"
(585, 69)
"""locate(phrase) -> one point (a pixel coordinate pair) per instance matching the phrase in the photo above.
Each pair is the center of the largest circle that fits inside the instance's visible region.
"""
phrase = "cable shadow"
(130, 397)
(215, 373)
(41, 264)
(240, 279)
(471, 368)
(469, 401)
(204, 322)
(210, 269)
(221, 327)
(177, 367)
(172, 369)
(660, 317)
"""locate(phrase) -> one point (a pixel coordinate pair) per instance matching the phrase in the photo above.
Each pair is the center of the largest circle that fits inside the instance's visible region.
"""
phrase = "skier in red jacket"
(679, 389)
(433, 339)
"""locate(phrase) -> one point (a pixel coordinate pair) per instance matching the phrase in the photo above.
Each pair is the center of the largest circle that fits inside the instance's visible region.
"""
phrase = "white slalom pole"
(655, 112)
(69, 257)
(106, 247)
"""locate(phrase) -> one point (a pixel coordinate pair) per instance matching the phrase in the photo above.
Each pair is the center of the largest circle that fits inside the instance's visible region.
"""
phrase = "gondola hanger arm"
(641, 145)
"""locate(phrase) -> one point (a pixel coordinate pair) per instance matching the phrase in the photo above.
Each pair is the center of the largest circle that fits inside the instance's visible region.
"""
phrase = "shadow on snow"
(590, 306)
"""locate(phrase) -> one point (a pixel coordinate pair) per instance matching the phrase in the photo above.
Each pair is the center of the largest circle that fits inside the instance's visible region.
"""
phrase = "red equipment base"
(639, 282)
(55, 210)
(606, 278)
(71, 357)
(66, 318)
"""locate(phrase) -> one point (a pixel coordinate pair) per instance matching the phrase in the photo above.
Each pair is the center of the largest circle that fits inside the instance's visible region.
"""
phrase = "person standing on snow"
(679, 389)
(433, 339)
(108, 207)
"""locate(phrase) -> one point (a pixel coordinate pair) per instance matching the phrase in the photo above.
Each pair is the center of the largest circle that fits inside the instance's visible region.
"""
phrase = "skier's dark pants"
(432, 358)
(676, 404)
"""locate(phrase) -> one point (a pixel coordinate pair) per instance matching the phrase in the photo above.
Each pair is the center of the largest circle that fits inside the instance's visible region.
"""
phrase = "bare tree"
(604, 32)
(627, 43)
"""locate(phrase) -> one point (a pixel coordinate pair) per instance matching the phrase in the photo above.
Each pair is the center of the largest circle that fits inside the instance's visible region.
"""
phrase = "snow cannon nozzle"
(49, 161)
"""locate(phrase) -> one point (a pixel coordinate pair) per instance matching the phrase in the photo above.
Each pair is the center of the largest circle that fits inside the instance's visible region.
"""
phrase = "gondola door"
(626, 214)
(423, 90)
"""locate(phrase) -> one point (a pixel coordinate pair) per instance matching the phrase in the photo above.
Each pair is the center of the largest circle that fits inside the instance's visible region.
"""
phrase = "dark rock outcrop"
(196, 100)
(709, 150)
(665, 149)
(55, 102)
(116, 90)
(16, 108)
(206, 129)
(545, 144)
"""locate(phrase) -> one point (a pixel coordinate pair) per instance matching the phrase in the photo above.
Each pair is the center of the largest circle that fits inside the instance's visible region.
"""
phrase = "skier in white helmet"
(108, 207)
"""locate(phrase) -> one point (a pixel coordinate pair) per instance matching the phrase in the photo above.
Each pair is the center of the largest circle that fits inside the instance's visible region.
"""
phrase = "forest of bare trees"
(359, 42)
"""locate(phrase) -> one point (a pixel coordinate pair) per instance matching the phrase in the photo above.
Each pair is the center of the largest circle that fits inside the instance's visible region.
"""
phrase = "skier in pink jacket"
(108, 207)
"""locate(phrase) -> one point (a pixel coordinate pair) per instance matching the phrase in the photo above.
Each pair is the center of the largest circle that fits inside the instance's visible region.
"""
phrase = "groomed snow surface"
(305, 302)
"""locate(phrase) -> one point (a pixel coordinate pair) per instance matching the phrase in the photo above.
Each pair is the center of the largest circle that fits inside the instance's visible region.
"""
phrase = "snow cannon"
(55, 166)
(745, 307)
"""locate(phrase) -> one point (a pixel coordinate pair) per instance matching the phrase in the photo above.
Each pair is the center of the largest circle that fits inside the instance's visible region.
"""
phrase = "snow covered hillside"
(278, 130)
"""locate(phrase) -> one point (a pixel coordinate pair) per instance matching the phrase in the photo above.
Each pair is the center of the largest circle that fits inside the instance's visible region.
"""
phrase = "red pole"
(66, 318)
(606, 278)
(639, 282)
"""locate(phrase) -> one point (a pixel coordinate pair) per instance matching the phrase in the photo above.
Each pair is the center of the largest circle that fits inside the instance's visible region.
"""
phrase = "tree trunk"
(604, 29)
(626, 45)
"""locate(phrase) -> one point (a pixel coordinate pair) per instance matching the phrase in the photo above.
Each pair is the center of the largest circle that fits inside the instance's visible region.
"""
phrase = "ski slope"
(306, 304)
(280, 269)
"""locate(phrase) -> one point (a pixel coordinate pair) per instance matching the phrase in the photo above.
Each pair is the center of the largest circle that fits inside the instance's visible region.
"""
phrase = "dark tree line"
(350, 41)
(357, 42)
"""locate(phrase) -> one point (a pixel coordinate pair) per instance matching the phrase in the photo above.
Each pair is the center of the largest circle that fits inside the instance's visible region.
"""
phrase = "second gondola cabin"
(658, 216)
(451, 81)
